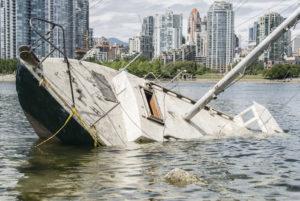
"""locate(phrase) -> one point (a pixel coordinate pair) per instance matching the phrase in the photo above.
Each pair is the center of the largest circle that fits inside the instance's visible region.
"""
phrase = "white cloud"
(122, 18)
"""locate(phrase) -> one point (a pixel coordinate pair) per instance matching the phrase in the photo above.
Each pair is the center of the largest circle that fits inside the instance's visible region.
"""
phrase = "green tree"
(282, 71)
(255, 69)
(8, 66)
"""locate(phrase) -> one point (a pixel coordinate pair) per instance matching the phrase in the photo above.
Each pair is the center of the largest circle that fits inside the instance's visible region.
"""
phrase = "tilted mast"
(242, 65)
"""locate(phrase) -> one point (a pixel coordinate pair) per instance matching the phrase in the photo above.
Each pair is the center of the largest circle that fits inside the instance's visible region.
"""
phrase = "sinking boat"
(83, 103)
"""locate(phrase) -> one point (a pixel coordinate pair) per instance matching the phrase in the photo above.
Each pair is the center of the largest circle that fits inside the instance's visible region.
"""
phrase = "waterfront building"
(8, 39)
(91, 38)
(134, 45)
(194, 27)
(197, 35)
(253, 32)
(184, 53)
(116, 52)
(141, 44)
(81, 29)
(220, 32)
(146, 46)
(15, 29)
(57, 12)
(201, 44)
(148, 26)
(73, 15)
(2, 50)
(252, 36)
(296, 46)
(278, 49)
(167, 32)
(103, 50)
(147, 37)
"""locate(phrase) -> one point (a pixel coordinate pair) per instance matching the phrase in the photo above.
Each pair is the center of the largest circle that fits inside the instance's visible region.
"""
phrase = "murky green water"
(239, 168)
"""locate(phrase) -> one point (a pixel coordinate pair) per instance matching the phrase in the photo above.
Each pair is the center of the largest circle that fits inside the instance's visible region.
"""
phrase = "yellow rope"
(79, 118)
(59, 130)
(74, 113)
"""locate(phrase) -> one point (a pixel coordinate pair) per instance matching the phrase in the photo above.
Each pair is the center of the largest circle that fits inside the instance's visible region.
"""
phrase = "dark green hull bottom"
(47, 113)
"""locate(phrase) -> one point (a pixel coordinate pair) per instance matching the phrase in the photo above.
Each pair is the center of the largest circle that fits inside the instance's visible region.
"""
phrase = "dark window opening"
(104, 87)
(155, 113)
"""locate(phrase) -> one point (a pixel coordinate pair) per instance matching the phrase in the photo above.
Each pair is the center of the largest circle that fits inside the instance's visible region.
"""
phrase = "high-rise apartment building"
(201, 44)
(167, 32)
(14, 25)
(197, 35)
(134, 45)
(296, 46)
(194, 27)
(148, 26)
(143, 43)
(62, 12)
(220, 32)
(91, 38)
(8, 13)
(81, 24)
(253, 33)
(146, 39)
(73, 15)
(2, 29)
(277, 50)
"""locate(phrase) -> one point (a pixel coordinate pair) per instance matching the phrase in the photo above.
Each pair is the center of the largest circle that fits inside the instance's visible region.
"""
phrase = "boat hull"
(45, 114)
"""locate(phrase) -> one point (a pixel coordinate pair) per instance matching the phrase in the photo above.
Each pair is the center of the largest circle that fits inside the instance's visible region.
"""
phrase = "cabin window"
(104, 87)
(154, 110)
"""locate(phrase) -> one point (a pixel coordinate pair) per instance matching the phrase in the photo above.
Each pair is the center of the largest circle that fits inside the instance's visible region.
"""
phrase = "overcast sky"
(122, 18)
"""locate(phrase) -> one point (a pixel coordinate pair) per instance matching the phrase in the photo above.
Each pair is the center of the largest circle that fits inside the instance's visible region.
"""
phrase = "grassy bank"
(217, 76)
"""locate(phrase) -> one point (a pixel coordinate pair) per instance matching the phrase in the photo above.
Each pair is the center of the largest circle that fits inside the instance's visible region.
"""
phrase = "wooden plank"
(155, 108)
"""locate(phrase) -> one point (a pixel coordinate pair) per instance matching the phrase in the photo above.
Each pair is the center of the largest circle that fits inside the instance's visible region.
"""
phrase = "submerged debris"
(179, 177)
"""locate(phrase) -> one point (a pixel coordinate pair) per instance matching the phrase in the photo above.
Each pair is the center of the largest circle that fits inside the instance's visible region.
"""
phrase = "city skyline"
(127, 19)
(15, 29)
(221, 45)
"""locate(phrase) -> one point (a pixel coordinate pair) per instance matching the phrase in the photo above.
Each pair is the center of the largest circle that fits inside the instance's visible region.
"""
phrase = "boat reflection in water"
(232, 168)
(60, 172)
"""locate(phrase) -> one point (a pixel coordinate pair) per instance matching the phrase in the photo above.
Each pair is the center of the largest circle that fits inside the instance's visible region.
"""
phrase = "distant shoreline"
(249, 80)
(12, 78)
(8, 78)
(244, 80)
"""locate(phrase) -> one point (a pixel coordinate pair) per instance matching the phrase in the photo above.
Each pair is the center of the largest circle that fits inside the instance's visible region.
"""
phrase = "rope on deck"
(60, 129)
(74, 113)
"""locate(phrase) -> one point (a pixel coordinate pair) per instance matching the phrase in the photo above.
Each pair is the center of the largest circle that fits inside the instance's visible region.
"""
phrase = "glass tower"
(266, 24)
(167, 32)
(220, 32)
(15, 30)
